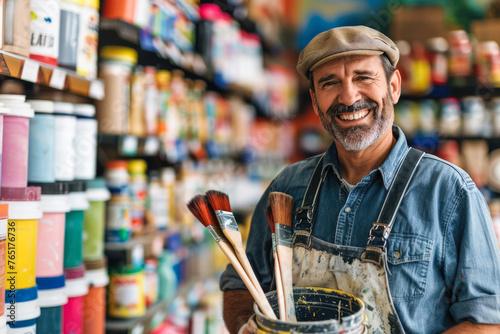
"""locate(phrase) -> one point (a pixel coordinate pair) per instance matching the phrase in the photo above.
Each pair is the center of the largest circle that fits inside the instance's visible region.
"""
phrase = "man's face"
(354, 101)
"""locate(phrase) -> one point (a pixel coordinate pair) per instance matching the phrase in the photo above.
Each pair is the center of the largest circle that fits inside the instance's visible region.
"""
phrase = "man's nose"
(348, 94)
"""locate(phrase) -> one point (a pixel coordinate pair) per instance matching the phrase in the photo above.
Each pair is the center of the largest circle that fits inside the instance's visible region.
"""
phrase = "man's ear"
(313, 100)
(395, 85)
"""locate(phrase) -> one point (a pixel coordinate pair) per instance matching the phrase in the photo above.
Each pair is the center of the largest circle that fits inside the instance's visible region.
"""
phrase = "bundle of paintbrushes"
(214, 212)
(281, 207)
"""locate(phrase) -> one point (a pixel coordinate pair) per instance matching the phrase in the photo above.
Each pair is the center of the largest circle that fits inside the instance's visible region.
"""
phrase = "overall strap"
(304, 214)
(379, 233)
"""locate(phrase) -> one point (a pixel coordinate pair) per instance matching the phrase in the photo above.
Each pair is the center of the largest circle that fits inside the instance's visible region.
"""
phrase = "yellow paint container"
(22, 226)
(126, 292)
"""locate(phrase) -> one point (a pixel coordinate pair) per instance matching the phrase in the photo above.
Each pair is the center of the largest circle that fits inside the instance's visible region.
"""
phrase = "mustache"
(358, 105)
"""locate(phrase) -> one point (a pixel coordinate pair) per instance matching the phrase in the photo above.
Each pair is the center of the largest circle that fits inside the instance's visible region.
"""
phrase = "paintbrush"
(220, 203)
(202, 210)
(277, 272)
(282, 208)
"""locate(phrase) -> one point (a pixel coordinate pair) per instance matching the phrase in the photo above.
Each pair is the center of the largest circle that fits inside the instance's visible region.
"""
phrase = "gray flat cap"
(345, 41)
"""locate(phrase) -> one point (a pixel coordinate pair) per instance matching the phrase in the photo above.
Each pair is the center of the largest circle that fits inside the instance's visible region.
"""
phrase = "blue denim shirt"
(443, 257)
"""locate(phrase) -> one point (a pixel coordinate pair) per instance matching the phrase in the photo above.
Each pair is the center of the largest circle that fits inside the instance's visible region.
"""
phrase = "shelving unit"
(26, 69)
(137, 325)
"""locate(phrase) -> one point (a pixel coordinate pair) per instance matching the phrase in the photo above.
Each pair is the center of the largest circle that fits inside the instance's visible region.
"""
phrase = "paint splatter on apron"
(359, 271)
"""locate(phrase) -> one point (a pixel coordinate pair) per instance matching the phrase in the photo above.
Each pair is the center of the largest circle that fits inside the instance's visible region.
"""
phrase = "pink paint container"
(50, 245)
(3, 111)
(76, 289)
(15, 139)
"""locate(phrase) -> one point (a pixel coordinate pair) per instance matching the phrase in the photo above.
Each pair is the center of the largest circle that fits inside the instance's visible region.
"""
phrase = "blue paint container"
(41, 142)
(51, 297)
(22, 309)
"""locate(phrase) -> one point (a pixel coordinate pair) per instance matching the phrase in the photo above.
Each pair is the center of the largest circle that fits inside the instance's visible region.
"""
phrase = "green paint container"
(318, 310)
(94, 219)
(73, 233)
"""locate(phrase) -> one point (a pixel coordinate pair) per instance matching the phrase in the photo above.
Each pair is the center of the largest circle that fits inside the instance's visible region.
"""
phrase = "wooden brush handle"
(285, 258)
(234, 238)
(263, 303)
(279, 288)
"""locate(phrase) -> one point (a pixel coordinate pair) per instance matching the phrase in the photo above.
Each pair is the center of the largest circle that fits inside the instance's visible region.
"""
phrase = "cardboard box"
(486, 30)
(417, 24)
(21, 28)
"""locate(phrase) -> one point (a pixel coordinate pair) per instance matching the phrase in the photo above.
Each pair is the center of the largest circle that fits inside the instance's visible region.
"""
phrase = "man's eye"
(330, 83)
(364, 78)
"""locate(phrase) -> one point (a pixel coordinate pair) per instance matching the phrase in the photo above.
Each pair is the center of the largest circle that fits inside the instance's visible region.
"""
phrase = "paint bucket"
(73, 240)
(3, 323)
(65, 129)
(24, 212)
(126, 292)
(15, 140)
(318, 311)
(94, 220)
(50, 245)
(76, 288)
(94, 303)
(85, 142)
(41, 142)
(51, 297)
(21, 307)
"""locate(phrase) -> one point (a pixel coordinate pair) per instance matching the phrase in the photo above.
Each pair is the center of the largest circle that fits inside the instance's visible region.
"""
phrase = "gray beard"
(358, 138)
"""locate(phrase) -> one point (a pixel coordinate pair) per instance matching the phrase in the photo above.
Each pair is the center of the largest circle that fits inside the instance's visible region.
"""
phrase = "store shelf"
(486, 92)
(131, 146)
(138, 325)
(145, 239)
(58, 78)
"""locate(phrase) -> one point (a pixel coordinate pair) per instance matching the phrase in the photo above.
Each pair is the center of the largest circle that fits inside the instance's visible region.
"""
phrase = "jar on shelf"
(88, 36)
(138, 192)
(126, 292)
(488, 63)
(459, 56)
(450, 121)
(437, 48)
(115, 69)
(473, 116)
(117, 177)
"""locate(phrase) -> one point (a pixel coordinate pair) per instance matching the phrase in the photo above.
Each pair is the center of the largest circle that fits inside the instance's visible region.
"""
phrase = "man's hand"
(237, 309)
(467, 327)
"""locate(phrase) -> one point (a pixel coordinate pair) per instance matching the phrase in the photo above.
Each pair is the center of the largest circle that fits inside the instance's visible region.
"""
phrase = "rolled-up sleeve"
(472, 260)
(258, 250)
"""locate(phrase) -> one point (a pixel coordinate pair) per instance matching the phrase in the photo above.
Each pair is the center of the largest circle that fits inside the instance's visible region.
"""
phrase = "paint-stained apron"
(358, 271)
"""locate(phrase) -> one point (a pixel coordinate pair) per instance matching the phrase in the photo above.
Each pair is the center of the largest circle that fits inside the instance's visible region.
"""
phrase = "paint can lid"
(20, 194)
(56, 188)
(97, 190)
(75, 272)
(76, 287)
(47, 283)
(83, 109)
(77, 186)
(42, 106)
(12, 97)
(63, 108)
(78, 201)
(125, 270)
(19, 109)
(20, 295)
(95, 264)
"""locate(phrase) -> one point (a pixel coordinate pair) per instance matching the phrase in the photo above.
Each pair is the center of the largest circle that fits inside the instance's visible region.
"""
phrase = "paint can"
(51, 297)
(318, 311)
(50, 239)
(94, 220)
(22, 309)
(94, 303)
(126, 292)
(85, 142)
(42, 142)
(65, 132)
(22, 224)
(15, 144)
(73, 239)
(76, 289)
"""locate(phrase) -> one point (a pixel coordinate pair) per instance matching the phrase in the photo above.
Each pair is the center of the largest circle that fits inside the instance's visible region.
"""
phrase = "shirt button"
(397, 255)
(347, 209)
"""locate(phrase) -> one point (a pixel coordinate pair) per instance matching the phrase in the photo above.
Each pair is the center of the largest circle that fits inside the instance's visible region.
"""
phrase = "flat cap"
(345, 41)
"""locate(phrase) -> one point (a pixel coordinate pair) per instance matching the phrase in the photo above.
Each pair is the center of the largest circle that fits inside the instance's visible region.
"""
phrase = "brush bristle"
(219, 200)
(201, 209)
(282, 207)
(269, 214)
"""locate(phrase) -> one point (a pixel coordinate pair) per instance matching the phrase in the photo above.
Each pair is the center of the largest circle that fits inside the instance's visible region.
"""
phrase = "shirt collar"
(387, 169)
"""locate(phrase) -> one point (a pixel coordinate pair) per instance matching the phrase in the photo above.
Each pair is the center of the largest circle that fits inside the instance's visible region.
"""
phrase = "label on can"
(118, 223)
(127, 295)
(45, 21)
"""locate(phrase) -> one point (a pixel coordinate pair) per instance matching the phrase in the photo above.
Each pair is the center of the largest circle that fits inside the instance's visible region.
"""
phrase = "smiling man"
(406, 232)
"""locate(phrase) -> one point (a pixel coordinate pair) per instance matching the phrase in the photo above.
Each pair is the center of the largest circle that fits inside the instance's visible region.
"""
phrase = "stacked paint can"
(94, 303)
(50, 255)
(21, 298)
(126, 292)
(65, 133)
(76, 289)
(73, 236)
(94, 219)
(118, 220)
(85, 142)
